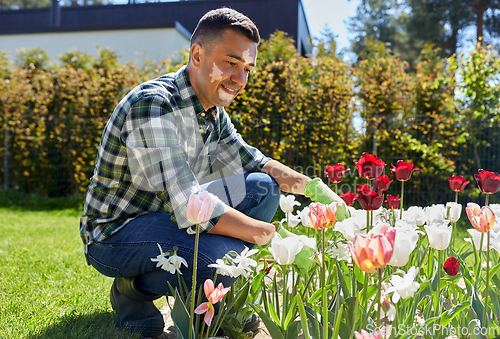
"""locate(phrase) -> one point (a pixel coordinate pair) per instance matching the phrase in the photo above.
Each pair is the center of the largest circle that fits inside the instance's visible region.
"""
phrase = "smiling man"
(162, 140)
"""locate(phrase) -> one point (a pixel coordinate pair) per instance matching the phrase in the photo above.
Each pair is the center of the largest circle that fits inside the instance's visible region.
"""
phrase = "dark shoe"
(135, 309)
(252, 323)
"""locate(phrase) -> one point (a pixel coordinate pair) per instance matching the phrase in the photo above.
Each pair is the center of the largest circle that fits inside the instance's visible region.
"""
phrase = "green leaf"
(271, 326)
(449, 315)
(292, 331)
(303, 317)
(477, 304)
(180, 317)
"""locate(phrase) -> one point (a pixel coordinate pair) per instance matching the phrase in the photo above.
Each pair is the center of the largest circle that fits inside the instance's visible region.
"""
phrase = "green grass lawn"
(47, 290)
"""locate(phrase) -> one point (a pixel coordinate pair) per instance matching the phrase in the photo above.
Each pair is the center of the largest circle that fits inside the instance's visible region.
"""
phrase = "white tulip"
(351, 226)
(285, 250)
(415, 214)
(288, 202)
(439, 234)
(306, 241)
(404, 244)
(455, 211)
(291, 220)
(304, 217)
(435, 213)
(495, 240)
(476, 239)
(496, 210)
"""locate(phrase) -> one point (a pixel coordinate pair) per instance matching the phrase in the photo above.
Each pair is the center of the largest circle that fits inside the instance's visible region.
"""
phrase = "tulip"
(285, 250)
(369, 166)
(451, 266)
(476, 239)
(455, 211)
(383, 182)
(322, 216)
(405, 243)
(348, 197)
(439, 234)
(374, 250)
(214, 295)
(335, 173)
(370, 200)
(288, 202)
(199, 208)
(457, 183)
(403, 170)
(435, 212)
(482, 219)
(416, 214)
(393, 202)
(488, 182)
(304, 217)
(366, 335)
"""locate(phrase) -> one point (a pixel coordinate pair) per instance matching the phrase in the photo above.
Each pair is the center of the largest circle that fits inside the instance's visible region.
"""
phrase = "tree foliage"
(305, 112)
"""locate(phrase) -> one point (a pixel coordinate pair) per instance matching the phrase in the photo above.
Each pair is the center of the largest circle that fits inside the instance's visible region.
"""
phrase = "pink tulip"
(482, 218)
(199, 208)
(366, 335)
(214, 295)
(374, 250)
(322, 216)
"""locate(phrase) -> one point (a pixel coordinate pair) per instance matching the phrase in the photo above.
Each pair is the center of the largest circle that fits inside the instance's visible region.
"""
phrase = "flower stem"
(323, 280)
(401, 204)
(486, 289)
(379, 295)
(193, 284)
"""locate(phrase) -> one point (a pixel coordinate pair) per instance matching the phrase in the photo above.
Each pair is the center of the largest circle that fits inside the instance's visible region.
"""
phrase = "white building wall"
(131, 45)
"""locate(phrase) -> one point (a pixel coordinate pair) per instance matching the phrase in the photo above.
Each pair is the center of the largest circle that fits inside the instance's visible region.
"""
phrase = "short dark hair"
(212, 25)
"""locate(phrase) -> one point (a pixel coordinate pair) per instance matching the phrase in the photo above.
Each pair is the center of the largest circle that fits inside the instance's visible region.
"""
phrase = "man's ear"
(196, 55)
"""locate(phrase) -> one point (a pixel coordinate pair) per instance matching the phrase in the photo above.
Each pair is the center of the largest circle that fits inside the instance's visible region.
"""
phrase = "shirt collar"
(190, 99)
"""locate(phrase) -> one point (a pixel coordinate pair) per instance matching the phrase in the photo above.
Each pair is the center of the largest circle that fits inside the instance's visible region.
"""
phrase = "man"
(161, 140)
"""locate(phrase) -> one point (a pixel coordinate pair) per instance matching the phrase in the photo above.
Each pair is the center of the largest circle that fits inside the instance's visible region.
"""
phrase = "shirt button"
(203, 114)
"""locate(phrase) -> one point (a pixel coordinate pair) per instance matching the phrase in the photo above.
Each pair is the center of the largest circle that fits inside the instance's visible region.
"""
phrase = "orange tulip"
(374, 250)
(482, 218)
(322, 216)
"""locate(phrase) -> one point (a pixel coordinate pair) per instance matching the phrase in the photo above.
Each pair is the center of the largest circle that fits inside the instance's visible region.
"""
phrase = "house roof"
(268, 15)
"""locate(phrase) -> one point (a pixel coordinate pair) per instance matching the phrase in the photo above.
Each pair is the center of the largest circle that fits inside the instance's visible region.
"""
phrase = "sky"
(333, 13)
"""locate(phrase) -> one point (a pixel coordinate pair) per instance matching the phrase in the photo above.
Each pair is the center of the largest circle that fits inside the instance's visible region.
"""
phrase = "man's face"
(223, 70)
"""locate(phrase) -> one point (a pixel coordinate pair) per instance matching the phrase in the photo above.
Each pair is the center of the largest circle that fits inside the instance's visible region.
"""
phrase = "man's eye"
(231, 63)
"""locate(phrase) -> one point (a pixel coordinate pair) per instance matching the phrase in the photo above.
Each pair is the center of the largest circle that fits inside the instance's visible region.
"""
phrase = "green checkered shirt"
(157, 145)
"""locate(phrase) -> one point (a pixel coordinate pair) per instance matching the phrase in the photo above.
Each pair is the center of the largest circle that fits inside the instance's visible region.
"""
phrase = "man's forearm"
(289, 180)
(233, 223)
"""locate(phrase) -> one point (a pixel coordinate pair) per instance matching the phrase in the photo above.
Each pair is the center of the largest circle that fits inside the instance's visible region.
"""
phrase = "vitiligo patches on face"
(247, 57)
(216, 74)
(224, 95)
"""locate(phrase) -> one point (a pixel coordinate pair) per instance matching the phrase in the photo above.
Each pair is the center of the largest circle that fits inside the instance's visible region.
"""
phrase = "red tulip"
(370, 200)
(348, 198)
(383, 182)
(457, 183)
(451, 266)
(369, 166)
(393, 201)
(488, 182)
(403, 170)
(363, 187)
(335, 173)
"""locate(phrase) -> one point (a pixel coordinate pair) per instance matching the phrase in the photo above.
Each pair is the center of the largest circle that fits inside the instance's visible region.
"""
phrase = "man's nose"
(240, 77)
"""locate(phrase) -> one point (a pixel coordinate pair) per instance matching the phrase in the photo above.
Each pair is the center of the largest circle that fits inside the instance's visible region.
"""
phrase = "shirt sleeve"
(235, 153)
(158, 162)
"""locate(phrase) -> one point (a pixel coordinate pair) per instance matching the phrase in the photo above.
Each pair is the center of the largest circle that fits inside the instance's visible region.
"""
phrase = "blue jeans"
(128, 252)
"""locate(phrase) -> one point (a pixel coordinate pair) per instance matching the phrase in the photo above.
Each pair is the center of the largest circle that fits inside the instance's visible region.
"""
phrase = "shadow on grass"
(99, 325)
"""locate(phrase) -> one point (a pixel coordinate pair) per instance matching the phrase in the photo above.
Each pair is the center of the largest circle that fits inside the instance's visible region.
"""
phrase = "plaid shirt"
(157, 145)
